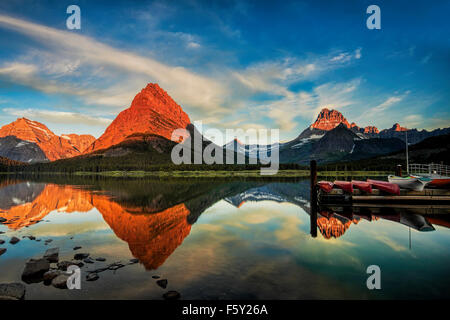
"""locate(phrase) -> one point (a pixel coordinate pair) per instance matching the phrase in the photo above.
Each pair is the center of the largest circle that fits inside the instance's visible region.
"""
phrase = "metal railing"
(428, 169)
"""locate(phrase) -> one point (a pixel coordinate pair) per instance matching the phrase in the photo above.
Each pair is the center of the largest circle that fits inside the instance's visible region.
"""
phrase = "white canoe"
(411, 182)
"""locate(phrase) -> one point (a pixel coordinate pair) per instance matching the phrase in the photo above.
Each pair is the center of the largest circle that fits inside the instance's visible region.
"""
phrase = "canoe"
(440, 182)
(326, 186)
(344, 185)
(385, 186)
(362, 185)
(415, 183)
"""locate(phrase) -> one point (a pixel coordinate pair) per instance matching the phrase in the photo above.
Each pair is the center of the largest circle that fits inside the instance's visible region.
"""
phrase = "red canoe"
(344, 185)
(385, 186)
(362, 185)
(326, 186)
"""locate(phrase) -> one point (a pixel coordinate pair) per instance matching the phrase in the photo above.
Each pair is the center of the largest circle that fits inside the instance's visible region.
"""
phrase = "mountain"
(14, 148)
(414, 135)
(152, 111)
(342, 143)
(331, 138)
(54, 147)
(81, 142)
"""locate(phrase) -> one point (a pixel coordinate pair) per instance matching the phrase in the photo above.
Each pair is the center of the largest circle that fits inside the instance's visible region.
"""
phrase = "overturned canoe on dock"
(362, 185)
(326, 186)
(385, 186)
(344, 185)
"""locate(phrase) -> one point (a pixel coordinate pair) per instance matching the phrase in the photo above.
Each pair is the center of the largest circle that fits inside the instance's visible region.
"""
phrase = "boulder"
(60, 281)
(52, 255)
(14, 240)
(80, 256)
(162, 283)
(62, 265)
(12, 291)
(34, 270)
(50, 275)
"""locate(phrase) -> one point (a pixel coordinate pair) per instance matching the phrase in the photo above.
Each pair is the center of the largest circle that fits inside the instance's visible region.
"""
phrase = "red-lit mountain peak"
(152, 111)
(329, 119)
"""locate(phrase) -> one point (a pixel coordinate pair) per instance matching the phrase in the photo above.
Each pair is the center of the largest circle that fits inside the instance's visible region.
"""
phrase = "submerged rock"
(115, 266)
(100, 259)
(50, 275)
(133, 261)
(80, 256)
(92, 276)
(62, 265)
(14, 240)
(156, 277)
(2, 241)
(76, 248)
(88, 260)
(2, 251)
(60, 281)
(52, 255)
(162, 283)
(12, 291)
(172, 295)
(34, 270)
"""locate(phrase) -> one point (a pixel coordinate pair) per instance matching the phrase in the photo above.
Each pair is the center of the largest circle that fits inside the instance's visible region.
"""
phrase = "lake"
(214, 239)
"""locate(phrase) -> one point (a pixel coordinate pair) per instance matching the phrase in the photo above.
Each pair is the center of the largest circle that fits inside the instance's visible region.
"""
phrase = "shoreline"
(207, 174)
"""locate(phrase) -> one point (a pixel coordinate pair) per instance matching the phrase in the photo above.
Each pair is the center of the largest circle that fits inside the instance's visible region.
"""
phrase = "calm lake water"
(220, 240)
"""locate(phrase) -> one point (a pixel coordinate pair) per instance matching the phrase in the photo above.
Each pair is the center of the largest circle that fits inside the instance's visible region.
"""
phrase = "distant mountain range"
(332, 138)
(146, 128)
(30, 134)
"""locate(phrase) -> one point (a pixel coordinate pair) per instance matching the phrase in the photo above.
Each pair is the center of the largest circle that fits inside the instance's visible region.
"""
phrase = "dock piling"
(313, 212)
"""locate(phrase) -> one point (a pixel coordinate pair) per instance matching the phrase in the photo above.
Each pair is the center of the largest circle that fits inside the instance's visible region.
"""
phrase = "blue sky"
(229, 64)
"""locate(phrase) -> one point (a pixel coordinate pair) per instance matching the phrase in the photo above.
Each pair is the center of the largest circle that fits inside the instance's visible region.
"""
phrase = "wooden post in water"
(398, 170)
(313, 197)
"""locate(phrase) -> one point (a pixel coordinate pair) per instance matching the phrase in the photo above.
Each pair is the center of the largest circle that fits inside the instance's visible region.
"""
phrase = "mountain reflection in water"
(154, 217)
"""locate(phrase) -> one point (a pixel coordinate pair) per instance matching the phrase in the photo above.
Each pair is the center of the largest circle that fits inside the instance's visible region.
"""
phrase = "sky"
(229, 64)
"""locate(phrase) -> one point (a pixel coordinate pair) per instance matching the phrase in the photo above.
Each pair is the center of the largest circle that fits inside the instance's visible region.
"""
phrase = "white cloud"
(187, 87)
(59, 117)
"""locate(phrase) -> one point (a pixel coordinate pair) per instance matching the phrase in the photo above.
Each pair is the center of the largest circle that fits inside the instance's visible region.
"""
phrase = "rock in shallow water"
(2, 251)
(52, 255)
(2, 241)
(50, 275)
(62, 265)
(172, 295)
(80, 256)
(34, 270)
(76, 248)
(14, 240)
(2, 220)
(162, 283)
(60, 281)
(88, 260)
(12, 291)
(91, 277)
(100, 259)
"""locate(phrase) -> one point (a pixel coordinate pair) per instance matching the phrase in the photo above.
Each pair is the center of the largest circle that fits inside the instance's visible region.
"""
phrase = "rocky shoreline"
(51, 271)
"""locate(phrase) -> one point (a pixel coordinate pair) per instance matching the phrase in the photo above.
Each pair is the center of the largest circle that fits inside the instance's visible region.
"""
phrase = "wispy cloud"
(186, 86)
(60, 117)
